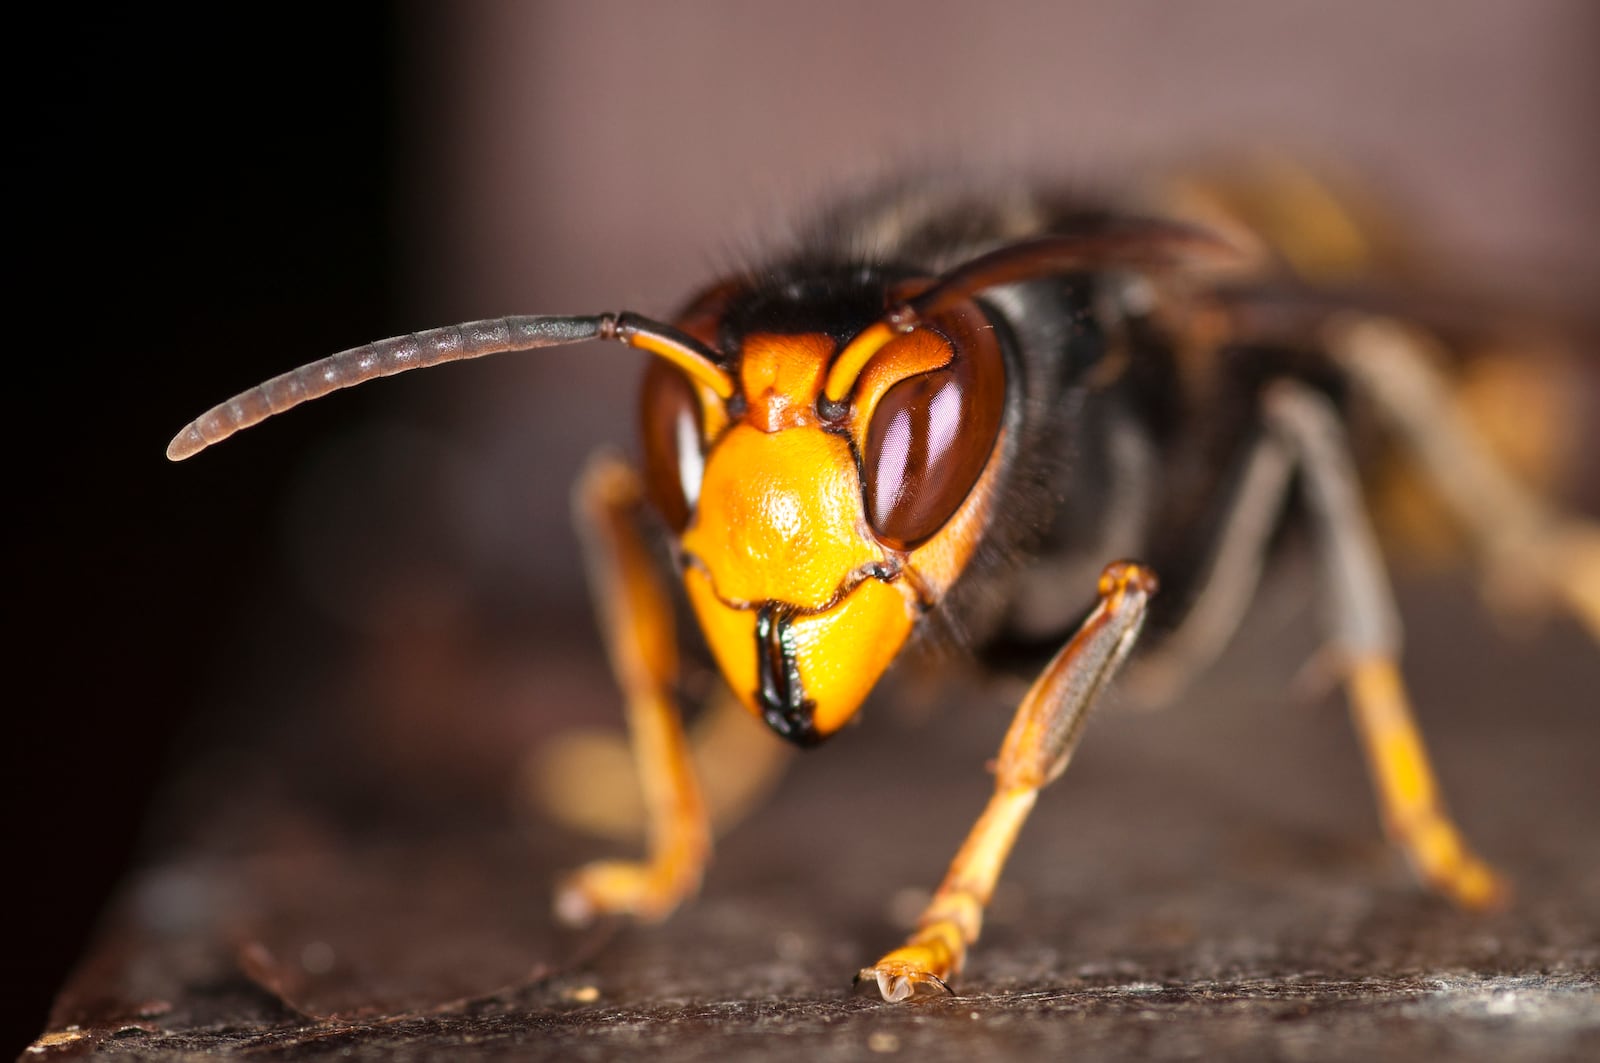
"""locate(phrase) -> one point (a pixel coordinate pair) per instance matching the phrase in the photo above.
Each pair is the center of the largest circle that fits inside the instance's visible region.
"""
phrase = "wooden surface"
(1206, 882)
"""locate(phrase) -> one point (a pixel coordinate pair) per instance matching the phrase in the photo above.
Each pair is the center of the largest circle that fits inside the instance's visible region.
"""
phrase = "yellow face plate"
(779, 530)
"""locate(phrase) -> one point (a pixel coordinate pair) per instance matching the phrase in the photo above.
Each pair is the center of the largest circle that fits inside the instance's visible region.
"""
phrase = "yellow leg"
(1526, 547)
(586, 779)
(636, 620)
(1366, 634)
(1574, 571)
(1413, 810)
(1035, 752)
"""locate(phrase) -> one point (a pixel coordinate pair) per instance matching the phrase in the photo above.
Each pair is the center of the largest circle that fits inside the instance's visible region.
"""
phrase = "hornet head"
(836, 493)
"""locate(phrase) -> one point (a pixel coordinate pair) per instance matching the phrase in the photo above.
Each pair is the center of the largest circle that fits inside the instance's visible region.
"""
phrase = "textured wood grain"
(1207, 882)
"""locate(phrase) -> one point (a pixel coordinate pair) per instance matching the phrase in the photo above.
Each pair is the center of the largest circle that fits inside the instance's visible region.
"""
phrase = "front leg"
(636, 621)
(1035, 752)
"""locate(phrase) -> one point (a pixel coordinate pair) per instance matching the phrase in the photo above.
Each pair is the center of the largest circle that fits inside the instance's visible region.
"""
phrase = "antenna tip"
(185, 444)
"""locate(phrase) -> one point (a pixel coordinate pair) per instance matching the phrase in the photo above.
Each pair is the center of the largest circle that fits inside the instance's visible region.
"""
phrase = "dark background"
(206, 203)
(201, 202)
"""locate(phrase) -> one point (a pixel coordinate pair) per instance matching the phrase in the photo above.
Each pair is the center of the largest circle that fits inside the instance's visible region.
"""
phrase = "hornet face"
(834, 497)
(825, 445)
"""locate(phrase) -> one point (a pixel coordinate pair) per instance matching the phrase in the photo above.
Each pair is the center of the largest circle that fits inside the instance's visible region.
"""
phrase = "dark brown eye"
(930, 438)
(674, 459)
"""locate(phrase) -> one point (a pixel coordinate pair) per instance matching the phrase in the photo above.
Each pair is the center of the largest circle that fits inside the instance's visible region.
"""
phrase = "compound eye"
(929, 440)
(674, 457)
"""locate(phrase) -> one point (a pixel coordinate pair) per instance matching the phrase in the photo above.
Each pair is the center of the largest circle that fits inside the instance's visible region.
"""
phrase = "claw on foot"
(1443, 861)
(616, 887)
(920, 966)
(1477, 887)
(900, 980)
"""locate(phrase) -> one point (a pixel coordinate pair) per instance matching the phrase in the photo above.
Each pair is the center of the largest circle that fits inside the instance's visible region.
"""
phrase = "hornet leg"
(1035, 751)
(1521, 542)
(636, 621)
(1366, 634)
(1254, 510)
(586, 779)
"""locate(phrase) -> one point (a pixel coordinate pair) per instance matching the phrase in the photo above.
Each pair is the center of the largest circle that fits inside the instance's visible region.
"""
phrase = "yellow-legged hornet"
(1064, 432)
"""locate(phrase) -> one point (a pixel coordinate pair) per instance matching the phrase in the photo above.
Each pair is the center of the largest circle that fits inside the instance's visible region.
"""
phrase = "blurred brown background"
(210, 202)
(589, 156)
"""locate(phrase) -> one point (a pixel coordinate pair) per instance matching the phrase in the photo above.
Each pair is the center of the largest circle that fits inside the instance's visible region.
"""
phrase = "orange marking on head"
(856, 354)
(693, 364)
(782, 376)
(781, 521)
(780, 517)
(731, 634)
(843, 652)
(904, 356)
